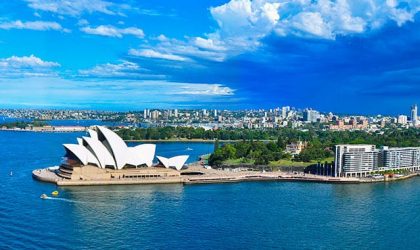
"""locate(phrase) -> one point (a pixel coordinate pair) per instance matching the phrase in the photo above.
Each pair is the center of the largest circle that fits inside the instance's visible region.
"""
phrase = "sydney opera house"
(103, 155)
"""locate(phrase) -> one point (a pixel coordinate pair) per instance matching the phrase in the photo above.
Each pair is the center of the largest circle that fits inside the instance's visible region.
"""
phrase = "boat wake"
(82, 202)
(109, 191)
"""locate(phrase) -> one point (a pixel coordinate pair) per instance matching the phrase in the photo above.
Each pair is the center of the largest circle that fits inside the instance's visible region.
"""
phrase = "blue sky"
(345, 56)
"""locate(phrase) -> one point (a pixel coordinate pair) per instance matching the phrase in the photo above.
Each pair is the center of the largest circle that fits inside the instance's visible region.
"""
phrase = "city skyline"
(344, 57)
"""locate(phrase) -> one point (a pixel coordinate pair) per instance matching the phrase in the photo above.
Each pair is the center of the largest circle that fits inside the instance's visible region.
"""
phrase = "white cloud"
(74, 7)
(26, 61)
(311, 23)
(207, 90)
(328, 19)
(162, 38)
(188, 50)
(110, 94)
(125, 69)
(15, 66)
(243, 23)
(35, 25)
(111, 31)
(245, 18)
(82, 22)
(155, 54)
(210, 44)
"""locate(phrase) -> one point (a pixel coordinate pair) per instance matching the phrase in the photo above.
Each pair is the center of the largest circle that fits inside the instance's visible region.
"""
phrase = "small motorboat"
(44, 196)
(188, 149)
(54, 193)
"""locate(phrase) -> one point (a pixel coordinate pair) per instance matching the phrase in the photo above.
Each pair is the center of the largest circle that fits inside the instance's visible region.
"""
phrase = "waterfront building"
(103, 155)
(414, 118)
(176, 162)
(360, 160)
(392, 158)
(354, 159)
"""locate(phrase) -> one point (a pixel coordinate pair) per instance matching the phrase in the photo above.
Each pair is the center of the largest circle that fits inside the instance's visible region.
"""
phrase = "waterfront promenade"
(198, 175)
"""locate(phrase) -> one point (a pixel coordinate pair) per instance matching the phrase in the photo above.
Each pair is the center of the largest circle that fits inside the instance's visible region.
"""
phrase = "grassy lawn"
(288, 163)
(238, 161)
(291, 163)
(205, 157)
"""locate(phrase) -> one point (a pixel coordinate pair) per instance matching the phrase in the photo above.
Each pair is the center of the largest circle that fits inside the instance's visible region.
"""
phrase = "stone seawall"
(210, 176)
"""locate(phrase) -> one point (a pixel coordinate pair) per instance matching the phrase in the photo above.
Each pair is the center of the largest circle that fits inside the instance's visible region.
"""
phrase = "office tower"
(310, 115)
(284, 111)
(414, 119)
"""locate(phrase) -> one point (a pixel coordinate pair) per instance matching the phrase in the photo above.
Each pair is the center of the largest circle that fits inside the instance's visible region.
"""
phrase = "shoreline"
(212, 177)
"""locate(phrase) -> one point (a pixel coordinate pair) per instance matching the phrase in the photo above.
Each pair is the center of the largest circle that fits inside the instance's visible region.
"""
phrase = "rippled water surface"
(224, 216)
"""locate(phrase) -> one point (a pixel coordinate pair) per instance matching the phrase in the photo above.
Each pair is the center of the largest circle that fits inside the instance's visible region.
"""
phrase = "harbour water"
(252, 215)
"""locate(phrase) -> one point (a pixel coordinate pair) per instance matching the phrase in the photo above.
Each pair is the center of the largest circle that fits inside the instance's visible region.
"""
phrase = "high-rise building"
(400, 157)
(176, 113)
(310, 115)
(145, 114)
(402, 119)
(414, 119)
(359, 160)
(284, 111)
(355, 158)
(215, 113)
(155, 114)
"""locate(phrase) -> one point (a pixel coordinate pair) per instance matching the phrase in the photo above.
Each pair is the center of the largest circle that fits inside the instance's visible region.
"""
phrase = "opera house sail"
(103, 155)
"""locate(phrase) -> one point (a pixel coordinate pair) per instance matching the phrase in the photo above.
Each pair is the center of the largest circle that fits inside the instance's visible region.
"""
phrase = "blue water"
(263, 215)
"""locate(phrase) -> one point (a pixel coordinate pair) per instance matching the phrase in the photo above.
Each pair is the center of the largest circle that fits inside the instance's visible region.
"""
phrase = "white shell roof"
(93, 134)
(176, 162)
(112, 151)
(100, 151)
(118, 146)
(82, 153)
(141, 154)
